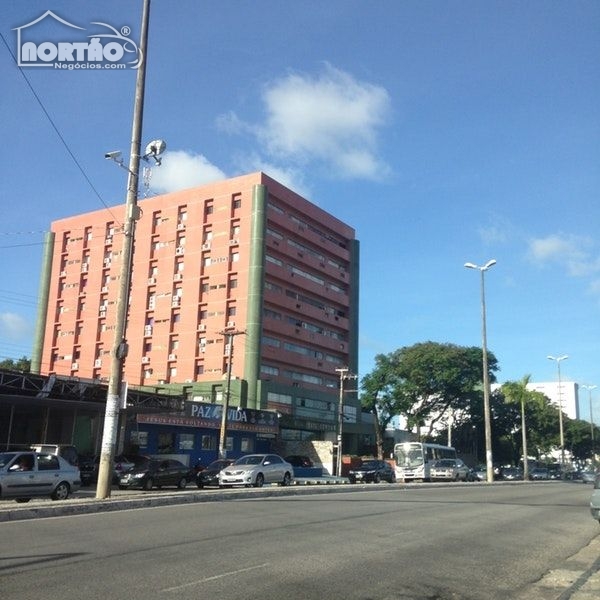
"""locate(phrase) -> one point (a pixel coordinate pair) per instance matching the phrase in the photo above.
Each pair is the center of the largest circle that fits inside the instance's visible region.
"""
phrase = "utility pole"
(223, 434)
(344, 374)
(132, 213)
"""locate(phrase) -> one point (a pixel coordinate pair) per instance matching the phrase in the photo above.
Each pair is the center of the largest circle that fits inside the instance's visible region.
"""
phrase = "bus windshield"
(409, 456)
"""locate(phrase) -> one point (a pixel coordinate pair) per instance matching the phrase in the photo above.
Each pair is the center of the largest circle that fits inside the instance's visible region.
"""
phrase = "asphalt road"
(433, 543)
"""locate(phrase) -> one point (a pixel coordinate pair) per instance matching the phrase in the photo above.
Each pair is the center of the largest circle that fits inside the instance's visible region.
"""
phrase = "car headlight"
(137, 475)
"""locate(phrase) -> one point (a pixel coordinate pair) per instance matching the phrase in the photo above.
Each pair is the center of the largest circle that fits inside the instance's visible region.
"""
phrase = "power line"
(55, 127)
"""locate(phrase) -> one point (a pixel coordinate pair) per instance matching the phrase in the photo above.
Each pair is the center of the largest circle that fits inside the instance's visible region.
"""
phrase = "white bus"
(414, 459)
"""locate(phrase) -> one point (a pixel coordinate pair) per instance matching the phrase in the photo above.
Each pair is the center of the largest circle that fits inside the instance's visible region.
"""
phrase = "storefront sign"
(202, 415)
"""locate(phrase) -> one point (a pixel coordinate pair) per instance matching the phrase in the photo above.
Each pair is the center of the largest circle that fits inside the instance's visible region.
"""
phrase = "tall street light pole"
(223, 432)
(486, 376)
(589, 388)
(344, 374)
(132, 212)
(558, 360)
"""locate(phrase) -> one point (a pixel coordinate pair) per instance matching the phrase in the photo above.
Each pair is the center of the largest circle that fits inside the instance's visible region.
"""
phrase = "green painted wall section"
(255, 294)
(40, 326)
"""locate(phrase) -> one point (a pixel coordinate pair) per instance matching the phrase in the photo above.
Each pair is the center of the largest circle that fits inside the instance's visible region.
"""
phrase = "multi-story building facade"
(245, 261)
(567, 396)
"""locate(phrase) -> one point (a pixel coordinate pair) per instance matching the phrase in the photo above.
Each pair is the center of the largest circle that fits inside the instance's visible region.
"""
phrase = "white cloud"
(575, 253)
(330, 119)
(14, 327)
(181, 170)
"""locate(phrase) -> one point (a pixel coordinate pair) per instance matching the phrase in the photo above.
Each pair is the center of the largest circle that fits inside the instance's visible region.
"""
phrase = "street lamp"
(344, 374)
(558, 360)
(589, 388)
(486, 376)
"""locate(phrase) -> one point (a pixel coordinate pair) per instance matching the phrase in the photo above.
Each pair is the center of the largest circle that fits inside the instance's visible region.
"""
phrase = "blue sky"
(443, 132)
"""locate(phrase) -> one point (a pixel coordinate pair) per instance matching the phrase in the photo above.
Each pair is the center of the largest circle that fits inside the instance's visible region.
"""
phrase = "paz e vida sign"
(101, 50)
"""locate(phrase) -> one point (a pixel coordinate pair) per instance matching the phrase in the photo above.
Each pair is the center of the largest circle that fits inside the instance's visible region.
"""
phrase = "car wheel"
(287, 479)
(182, 483)
(61, 492)
(200, 485)
(377, 478)
(22, 500)
(122, 487)
(148, 484)
(260, 480)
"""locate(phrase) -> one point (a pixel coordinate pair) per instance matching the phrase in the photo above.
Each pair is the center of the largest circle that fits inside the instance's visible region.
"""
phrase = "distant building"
(244, 255)
(568, 397)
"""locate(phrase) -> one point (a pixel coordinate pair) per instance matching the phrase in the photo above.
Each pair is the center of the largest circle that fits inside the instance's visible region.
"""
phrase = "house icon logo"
(111, 49)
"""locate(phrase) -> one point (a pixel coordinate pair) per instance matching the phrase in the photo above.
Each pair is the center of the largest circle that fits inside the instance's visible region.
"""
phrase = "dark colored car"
(210, 475)
(89, 466)
(511, 473)
(297, 460)
(372, 471)
(157, 473)
(538, 474)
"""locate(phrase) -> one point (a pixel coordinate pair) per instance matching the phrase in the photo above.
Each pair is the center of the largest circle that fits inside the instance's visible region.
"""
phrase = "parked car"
(89, 466)
(256, 470)
(26, 475)
(66, 451)
(595, 500)
(511, 473)
(157, 473)
(210, 475)
(298, 460)
(538, 474)
(588, 476)
(372, 471)
(449, 469)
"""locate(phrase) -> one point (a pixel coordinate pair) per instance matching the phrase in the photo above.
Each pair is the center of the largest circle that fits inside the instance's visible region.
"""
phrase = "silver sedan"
(26, 475)
(256, 470)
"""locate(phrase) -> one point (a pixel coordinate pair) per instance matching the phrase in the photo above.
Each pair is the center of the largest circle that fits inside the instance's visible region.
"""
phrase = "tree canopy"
(21, 364)
(421, 382)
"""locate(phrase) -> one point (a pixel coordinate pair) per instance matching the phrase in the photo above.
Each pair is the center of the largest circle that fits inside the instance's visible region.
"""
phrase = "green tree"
(516, 392)
(421, 382)
(22, 364)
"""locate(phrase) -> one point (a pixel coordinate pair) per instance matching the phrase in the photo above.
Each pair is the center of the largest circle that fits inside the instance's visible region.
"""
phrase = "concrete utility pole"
(132, 213)
(487, 420)
(561, 430)
(344, 374)
(223, 434)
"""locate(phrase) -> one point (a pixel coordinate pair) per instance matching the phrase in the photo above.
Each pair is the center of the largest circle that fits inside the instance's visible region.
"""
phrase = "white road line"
(198, 581)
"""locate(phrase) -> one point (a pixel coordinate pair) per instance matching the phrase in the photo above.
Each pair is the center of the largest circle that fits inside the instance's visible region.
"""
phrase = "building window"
(186, 441)
(209, 442)
(247, 445)
(268, 370)
(139, 439)
(166, 443)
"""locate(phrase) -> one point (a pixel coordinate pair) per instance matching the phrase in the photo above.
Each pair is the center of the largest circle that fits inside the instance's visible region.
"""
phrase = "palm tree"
(516, 391)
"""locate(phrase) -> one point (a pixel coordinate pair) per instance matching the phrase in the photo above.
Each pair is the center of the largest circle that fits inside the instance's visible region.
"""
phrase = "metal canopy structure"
(15, 385)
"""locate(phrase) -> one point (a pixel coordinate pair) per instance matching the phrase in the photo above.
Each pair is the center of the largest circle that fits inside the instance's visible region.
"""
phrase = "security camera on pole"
(115, 394)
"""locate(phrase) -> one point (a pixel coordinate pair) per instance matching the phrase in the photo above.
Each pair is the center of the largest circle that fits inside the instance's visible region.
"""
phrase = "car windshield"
(5, 458)
(254, 459)
(370, 464)
(445, 462)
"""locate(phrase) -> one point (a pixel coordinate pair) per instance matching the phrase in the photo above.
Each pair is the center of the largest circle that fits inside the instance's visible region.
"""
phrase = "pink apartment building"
(244, 256)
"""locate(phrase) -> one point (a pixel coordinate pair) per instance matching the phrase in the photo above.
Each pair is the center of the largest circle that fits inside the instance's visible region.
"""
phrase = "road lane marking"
(214, 577)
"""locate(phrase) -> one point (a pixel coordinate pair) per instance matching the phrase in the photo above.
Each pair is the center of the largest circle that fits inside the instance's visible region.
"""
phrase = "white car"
(449, 469)
(26, 475)
(256, 470)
